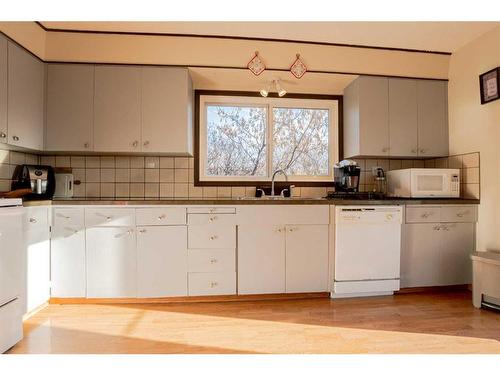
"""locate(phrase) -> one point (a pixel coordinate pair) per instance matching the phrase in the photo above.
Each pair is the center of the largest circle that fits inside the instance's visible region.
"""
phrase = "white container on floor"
(486, 279)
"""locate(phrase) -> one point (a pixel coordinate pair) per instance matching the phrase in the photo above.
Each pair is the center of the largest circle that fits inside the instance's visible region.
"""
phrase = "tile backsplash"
(172, 177)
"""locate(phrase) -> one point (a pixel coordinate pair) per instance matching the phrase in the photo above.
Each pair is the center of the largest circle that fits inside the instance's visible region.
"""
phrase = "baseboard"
(29, 314)
(230, 298)
(430, 289)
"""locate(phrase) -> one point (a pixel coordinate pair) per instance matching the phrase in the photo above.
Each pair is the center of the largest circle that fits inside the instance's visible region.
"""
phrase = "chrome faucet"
(274, 176)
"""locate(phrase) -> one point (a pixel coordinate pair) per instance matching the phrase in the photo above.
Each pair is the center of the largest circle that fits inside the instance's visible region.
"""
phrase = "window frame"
(244, 98)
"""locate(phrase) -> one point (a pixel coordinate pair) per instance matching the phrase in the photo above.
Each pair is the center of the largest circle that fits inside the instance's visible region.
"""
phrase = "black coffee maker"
(39, 178)
(346, 176)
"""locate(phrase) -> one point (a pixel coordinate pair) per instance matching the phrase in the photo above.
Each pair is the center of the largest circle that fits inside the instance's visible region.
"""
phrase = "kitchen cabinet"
(432, 99)
(261, 259)
(167, 108)
(70, 107)
(117, 109)
(37, 237)
(111, 262)
(366, 117)
(161, 261)
(306, 258)
(3, 89)
(403, 125)
(395, 117)
(67, 262)
(437, 243)
(26, 87)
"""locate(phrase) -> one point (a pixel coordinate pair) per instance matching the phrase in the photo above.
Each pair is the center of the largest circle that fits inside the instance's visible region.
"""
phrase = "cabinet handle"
(64, 217)
(212, 218)
(32, 220)
(135, 143)
(15, 138)
(437, 227)
(425, 215)
(86, 145)
(213, 261)
(108, 218)
(146, 143)
(213, 284)
(385, 149)
(423, 150)
(213, 238)
(130, 231)
(142, 230)
(414, 151)
(162, 216)
(279, 230)
(3, 135)
(462, 214)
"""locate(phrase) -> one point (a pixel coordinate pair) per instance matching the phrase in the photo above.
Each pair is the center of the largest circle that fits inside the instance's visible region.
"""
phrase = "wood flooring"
(428, 322)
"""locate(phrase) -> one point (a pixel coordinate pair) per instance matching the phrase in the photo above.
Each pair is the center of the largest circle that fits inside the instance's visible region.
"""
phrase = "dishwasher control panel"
(369, 214)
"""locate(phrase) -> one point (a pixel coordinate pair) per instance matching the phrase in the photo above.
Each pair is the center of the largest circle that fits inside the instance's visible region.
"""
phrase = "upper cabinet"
(117, 109)
(3, 90)
(70, 107)
(395, 117)
(166, 110)
(25, 112)
(432, 99)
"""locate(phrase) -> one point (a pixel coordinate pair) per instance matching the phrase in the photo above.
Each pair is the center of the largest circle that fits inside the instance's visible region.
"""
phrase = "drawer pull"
(32, 220)
(437, 227)
(213, 238)
(462, 214)
(142, 230)
(212, 218)
(213, 284)
(425, 215)
(162, 216)
(64, 216)
(213, 261)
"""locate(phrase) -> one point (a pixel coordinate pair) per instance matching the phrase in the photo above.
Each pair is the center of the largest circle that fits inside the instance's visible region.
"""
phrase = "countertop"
(247, 201)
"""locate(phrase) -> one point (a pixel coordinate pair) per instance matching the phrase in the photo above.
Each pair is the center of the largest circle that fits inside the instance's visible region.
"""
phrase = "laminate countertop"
(246, 201)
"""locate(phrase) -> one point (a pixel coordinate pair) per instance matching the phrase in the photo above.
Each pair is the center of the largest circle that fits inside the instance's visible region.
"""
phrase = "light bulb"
(264, 93)
(281, 91)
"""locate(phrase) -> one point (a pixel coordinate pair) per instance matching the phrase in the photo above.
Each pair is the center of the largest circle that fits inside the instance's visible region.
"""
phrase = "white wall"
(476, 127)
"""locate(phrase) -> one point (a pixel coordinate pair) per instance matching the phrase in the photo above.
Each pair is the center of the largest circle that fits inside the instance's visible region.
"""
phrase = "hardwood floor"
(407, 323)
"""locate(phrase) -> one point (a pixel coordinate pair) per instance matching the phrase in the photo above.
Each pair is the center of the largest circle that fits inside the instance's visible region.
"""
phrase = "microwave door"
(428, 184)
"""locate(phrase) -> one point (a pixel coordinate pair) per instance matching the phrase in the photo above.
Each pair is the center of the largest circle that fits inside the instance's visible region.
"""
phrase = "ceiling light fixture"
(273, 85)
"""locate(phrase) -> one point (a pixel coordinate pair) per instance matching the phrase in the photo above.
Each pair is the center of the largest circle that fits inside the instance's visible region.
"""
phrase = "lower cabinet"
(437, 253)
(161, 261)
(111, 262)
(67, 262)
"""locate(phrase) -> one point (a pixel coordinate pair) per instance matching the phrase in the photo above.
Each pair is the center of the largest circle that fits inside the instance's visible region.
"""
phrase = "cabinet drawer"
(211, 210)
(109, 217)
(161, 216)
(458, 214)
(36, 218)
(212, 283)
(69, 216)
(211, 237)
(211, 219)
(211, 260)
(423, 214)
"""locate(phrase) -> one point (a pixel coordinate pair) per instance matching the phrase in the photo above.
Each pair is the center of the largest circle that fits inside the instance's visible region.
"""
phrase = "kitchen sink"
(276, 198)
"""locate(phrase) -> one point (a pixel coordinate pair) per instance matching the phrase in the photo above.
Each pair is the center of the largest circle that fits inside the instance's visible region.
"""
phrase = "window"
(245, 139)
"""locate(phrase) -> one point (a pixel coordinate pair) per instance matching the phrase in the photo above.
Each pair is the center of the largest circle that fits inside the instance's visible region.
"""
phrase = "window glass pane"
(300, 141)
(236, 141)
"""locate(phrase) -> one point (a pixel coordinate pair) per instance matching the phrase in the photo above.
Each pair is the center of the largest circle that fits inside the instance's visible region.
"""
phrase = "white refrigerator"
(11, 272)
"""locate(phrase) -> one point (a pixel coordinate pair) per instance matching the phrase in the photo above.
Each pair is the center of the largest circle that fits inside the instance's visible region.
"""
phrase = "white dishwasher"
(367, 250)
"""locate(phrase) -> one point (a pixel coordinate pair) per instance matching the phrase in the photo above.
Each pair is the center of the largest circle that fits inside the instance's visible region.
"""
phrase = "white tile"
(137, 162)
(313, 192)
(361, 163)
(296, 192)
(17, 157)
(108, 190)
(209, 192)
(136, 190)
(191, 163)
(166, 162)
(181, 190)
(152, 162)
(32, 159)
(108, 175)
(78, 162)
(92, 190)
(92, 162)
(468, 160)
(418, 164)
(122, 175)
(166, 190)
(5, 172)
(79, 174)
(47, 160)
(137, 175)
(191, 175)
(224, 192)
(152, 175)
(79, 190)
(4, 156)
(455, 161)
(238, 191)
(122, 190)
(406, 164)
(471, 175)
(107, 161)
(195, 191)
(395, 164)
(63, 161)
(181, 175)
(441, 163)
(92, 175)
(431, 163)
(181, 163)
(122, 162)
(151, 190)
(471, 191)
(167, 175)
(4, 185)
(250, 191)
(383, 163)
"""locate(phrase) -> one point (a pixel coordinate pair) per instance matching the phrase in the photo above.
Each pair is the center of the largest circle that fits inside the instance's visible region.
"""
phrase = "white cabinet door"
(420, 256)
(374, 116)
(70, 107)
(261, 259)
(456, 246)
(38, 267)
(432, 118)
(166, 124)
(67, 262)
(403, 117)
(161, 261)
(117, 109)
(26, 77)
(3, 90)
(306, 258)
(111, 262)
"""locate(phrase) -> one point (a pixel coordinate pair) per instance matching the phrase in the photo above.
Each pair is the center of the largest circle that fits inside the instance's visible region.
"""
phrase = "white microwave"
(424, 183)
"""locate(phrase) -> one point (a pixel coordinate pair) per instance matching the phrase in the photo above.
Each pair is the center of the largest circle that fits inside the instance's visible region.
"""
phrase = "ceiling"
(428, 36)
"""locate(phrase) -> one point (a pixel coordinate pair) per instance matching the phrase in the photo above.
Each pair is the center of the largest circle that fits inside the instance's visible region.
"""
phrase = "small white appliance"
(11, 272)
(367, 250)
(64, 185)
(424, 183)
